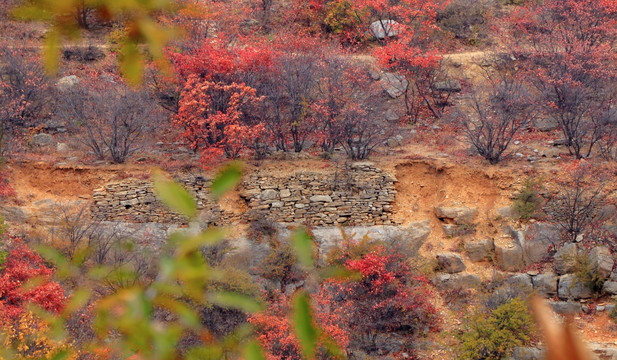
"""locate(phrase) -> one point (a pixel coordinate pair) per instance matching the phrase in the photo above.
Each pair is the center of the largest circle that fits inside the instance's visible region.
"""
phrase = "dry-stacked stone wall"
(361, 194)
(135, 201)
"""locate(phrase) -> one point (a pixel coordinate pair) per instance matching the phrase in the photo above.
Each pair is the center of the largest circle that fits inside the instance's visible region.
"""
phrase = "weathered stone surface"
(450, 263)
(570, 287)
(13, 214)
(458, 215)
(566, 307)
(359, 195)
(384, 28)
(457, 281)
(545, 284)
(545, 123)
(508, 212)
(67, 82)
(610, 287)
(598, 352)
(320, 198)
(479, 250)
(394, 84)
(269, 194)
(527, 353)
(565, 259)
(538, 238)
(391, 115)
(603, 351)
(521, 282)
(601, 261)
(410, 239)
(62, 148)
(508, 254)
(42, 139)
(450, 86)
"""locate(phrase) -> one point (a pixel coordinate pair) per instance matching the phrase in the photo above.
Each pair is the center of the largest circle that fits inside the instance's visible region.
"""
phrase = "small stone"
(62, 147)
(320, 198)
(269, 194)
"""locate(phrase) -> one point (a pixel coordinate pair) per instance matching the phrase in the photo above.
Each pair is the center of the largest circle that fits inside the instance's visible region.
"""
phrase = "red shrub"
(23, 265)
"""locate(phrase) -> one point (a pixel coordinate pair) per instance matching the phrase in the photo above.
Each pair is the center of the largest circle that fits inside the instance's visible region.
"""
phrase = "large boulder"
(42, 139)
(479, 250)
(565, 259)
(508, 254)
(457, 215)
(450, 263)
(67, 82)
(394, 85)
(384, 28)
(545, 284)
(410, 239)
(601, 261)
(571, 287)
(538, 239)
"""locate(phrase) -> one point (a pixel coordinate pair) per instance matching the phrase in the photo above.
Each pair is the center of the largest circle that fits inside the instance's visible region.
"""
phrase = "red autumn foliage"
(413, 53)
(217, 118)
(23, 265)
(276, 333)
(387, 298)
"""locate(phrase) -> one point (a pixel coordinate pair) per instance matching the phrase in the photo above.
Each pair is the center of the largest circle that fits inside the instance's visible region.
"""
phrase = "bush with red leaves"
(23, 265)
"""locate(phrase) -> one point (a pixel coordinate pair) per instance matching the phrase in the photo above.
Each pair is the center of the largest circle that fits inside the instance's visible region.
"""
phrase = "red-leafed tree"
(413, 53)
(568, 49)
(387, 298)
(276, 334)
(218, 119)
(21, 266)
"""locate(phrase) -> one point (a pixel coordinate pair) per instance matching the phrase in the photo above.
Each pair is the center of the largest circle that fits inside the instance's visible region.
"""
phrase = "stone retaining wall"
(135, 201)
(361, 194)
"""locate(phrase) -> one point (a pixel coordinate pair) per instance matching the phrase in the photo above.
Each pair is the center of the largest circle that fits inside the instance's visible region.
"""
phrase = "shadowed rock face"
(450, 263)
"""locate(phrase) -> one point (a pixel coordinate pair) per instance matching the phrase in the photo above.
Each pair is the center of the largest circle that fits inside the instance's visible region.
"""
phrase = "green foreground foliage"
(127, 322)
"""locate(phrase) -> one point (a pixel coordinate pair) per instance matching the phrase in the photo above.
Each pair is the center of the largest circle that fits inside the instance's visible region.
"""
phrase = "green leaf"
(236, 301)
(304, 326)
(131, 62)
(208, 237)
(340, 273)
(226, 179)
(303, 246)
(79, 298)
(175, 196)
(253, 351)
(51, 51)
